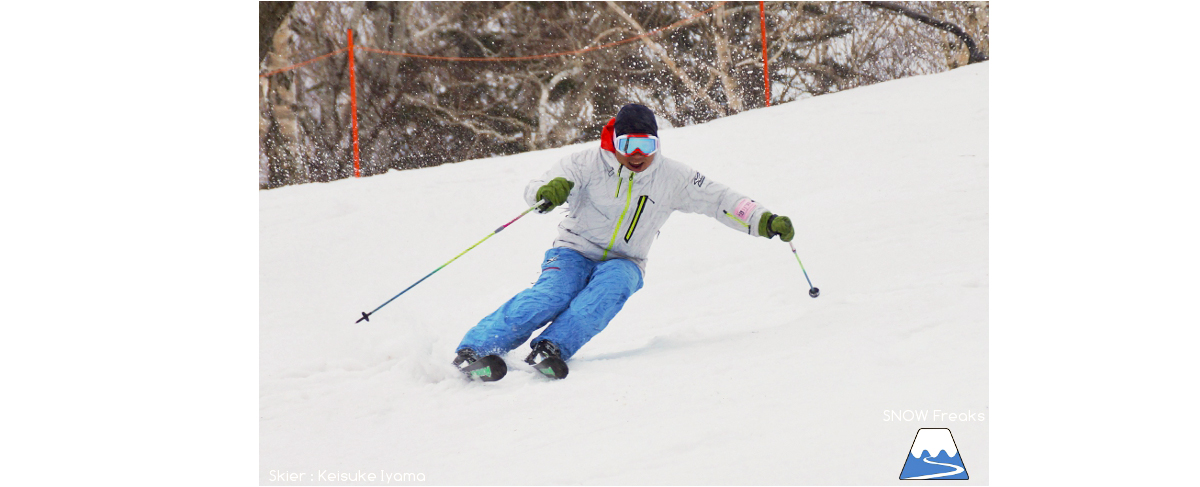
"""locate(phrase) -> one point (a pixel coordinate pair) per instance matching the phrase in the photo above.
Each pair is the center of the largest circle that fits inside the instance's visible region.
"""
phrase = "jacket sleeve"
(708, 197)
(569, 167)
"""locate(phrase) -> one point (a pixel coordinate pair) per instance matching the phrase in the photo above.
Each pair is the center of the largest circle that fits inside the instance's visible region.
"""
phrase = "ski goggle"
(630, 144)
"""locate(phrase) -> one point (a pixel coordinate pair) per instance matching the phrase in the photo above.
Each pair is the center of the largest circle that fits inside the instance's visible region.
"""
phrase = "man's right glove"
(555, 192)
(771, 225)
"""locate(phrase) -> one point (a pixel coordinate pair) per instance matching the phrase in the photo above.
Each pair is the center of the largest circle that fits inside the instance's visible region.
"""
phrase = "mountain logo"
(933, 456)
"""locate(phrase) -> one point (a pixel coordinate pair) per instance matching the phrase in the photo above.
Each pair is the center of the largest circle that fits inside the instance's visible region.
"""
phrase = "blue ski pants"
(576, 295)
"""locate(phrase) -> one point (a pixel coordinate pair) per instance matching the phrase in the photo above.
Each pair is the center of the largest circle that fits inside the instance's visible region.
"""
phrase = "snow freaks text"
(927, 415)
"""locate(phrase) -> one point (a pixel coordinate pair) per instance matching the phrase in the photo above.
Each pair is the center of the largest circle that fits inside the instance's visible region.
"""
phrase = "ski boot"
(545, 358)
(486, 369)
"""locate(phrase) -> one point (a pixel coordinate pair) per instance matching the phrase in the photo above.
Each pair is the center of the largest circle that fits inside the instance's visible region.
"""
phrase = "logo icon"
(933, 456)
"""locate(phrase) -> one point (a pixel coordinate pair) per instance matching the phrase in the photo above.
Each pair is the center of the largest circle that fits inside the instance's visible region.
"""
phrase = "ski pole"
(812, 291)
(366, 315)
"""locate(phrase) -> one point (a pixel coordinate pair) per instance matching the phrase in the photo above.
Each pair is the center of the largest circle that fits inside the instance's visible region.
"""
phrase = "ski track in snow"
(721, 370)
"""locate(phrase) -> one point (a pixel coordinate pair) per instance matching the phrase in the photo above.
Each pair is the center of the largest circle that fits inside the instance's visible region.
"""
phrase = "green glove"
(771, 225)
(555, 192)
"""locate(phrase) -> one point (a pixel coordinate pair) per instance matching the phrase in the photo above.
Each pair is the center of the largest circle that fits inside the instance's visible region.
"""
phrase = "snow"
(934, 441)
(721, 370)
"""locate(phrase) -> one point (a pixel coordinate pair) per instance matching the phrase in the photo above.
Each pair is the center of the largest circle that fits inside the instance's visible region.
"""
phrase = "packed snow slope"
(721, 370)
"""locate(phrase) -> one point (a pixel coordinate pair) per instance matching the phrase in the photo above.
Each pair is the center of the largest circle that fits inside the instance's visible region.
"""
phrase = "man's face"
(636, 163)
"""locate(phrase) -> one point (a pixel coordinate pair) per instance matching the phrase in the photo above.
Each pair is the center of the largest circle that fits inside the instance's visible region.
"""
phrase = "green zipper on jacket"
(628, 199)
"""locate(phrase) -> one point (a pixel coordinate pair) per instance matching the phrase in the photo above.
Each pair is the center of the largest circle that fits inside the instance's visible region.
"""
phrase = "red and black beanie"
(631, 119)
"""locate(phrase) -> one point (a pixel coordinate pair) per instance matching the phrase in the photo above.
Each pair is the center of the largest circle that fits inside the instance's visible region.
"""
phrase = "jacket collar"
(610, 160)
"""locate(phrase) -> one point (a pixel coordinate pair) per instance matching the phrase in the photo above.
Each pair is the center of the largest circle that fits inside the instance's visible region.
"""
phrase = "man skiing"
(618, 196)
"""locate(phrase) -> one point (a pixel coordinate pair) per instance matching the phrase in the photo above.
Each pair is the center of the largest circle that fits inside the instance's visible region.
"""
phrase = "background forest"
(706, 62)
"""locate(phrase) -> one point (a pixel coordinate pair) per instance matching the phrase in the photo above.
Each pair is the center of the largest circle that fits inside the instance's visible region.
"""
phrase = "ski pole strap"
(771, 233)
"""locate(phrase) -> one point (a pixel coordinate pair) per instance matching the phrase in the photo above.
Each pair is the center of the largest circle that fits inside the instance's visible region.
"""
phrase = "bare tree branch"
(455, 117)
(976, 55)
(666, 59)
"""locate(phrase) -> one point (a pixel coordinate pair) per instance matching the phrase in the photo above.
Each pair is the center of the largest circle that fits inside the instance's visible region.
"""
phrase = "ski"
(547, 360)
(552, 367)
(487, 369)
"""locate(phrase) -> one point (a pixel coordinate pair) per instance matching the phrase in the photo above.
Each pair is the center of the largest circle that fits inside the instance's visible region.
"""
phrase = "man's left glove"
(770, 225)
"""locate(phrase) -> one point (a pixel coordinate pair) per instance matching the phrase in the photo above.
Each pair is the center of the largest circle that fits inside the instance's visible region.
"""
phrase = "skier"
(618, 196)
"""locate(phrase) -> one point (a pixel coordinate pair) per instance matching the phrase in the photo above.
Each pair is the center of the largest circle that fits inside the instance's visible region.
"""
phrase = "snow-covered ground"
(721, 370)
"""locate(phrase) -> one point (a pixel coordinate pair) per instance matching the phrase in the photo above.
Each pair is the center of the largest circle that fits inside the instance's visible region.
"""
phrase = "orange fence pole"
(762, 25)
(353, 103)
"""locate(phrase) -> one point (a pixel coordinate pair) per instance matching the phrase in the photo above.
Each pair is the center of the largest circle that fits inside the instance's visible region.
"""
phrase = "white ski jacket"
(616, 213)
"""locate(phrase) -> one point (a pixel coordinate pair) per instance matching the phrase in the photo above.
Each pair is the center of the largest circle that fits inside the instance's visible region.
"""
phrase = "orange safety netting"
(294, 66)
(511, 58)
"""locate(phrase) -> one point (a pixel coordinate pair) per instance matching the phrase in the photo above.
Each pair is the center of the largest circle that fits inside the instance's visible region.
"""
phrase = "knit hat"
(635, 119)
